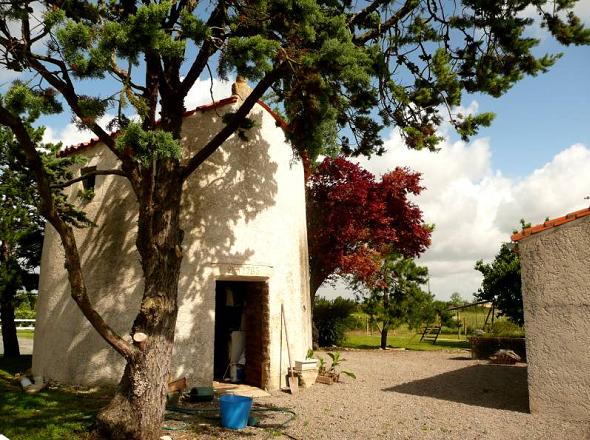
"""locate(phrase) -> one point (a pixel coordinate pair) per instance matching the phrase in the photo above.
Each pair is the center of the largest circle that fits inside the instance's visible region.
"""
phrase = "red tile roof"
(550, 224)
(221, 103)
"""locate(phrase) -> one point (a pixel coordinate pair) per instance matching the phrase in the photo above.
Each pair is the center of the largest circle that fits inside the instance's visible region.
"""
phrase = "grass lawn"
(409, 341)
(28, 334)
(63, 414)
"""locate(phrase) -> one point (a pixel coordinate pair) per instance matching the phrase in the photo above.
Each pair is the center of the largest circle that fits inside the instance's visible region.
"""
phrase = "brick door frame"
(257, 313)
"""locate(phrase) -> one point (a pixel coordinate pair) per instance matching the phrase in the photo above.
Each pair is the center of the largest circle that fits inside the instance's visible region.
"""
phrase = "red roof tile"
(550, 224)
(221, 103)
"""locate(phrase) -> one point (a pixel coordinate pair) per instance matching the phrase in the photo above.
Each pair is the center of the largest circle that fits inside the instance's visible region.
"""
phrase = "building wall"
(243, 218)
(556, 293)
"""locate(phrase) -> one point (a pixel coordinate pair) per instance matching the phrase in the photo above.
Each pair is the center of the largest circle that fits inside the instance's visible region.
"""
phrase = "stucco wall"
(556, 294)
(243, 218)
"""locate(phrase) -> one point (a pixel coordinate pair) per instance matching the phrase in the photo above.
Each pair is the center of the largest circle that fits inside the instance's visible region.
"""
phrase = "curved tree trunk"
(9, 337)
(137, 410)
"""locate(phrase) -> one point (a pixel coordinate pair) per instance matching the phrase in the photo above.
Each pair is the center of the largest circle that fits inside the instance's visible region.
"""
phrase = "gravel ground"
(409, 395)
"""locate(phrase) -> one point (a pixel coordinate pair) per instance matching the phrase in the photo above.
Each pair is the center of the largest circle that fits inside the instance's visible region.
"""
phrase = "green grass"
(28, 334)
(52, 414)
(409, 341)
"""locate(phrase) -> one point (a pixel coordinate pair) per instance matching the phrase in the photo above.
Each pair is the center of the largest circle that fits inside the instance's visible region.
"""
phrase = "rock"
(507, 357)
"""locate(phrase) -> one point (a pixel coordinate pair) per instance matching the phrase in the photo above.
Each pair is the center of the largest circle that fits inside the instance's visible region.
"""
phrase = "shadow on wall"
(113, 277)
(235, 185)
(489, 386)
(231, 190)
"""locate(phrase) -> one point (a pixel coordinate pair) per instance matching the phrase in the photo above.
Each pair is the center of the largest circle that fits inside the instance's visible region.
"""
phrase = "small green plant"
(333, 369)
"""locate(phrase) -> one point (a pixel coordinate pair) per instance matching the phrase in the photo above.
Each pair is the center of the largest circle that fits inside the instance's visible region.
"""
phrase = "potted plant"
(330, 373)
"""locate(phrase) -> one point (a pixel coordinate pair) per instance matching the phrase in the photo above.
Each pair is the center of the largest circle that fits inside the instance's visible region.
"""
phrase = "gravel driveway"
(413, 395)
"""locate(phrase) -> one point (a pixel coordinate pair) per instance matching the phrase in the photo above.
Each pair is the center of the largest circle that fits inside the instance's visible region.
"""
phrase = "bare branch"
(86, 175)
(403, 12)
(364, 13)
(207, 49)
(124, 76)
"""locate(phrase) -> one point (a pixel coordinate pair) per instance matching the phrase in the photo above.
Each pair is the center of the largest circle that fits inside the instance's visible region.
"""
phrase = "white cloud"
(581, 9)
(71, 134)
(475, 208)
(202, 91)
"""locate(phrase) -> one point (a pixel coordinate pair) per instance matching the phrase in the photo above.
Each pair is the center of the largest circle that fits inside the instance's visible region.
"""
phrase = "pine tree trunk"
(384, 332)
(136, 412)
(9, 337)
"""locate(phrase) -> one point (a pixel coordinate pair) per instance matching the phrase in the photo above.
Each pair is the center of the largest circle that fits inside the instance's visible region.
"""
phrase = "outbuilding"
(245, 255)
(555, 271)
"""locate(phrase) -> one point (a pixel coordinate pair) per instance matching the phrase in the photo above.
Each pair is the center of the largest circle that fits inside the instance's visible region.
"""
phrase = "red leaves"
(353, 219)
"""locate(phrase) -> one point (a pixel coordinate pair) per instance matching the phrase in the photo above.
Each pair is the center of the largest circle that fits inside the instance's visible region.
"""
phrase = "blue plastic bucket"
(234, 411)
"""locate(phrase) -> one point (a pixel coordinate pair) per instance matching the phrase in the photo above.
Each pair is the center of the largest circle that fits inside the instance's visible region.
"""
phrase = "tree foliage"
(456, 300)
(501, 284)
(353, 219)
(394, 296)
(21, 236)
(332, 318)
(330, 65)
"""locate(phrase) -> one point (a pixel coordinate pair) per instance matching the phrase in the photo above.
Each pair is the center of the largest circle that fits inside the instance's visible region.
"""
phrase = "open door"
(242, 306)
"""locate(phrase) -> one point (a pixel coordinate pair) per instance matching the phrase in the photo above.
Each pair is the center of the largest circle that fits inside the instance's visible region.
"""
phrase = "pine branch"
(86, 175)
(235, 122)
(402, 13)
(207, 49)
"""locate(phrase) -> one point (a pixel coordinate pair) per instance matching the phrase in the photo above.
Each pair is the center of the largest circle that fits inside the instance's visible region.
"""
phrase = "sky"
(532, 163)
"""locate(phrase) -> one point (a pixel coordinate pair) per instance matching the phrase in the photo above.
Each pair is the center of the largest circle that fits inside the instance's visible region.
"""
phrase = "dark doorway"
(242, 306)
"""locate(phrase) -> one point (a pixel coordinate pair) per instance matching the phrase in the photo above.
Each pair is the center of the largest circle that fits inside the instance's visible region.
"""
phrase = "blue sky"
(540, 115)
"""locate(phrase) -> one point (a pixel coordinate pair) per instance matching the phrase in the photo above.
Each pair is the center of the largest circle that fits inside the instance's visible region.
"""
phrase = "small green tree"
(394, 295)
(456, 300)
(501, 284)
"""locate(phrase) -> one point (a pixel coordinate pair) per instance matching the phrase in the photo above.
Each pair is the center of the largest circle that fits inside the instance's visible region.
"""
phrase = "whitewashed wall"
(244, 219)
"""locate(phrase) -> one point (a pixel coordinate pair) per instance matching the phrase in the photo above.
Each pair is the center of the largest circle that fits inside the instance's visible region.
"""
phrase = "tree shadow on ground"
(489, 386)
(51, 414)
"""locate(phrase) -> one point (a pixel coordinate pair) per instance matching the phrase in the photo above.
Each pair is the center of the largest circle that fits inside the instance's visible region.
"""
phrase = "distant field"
(472, 318)
(409, 341)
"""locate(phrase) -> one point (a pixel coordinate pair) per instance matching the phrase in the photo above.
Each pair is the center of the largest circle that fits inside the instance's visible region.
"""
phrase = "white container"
(307, 364)
(25, 382)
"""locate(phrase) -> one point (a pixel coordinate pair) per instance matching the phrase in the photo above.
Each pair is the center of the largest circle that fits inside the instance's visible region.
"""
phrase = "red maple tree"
(353, 219)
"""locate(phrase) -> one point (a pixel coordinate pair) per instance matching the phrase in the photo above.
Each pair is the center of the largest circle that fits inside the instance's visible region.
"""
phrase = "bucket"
(234, 411)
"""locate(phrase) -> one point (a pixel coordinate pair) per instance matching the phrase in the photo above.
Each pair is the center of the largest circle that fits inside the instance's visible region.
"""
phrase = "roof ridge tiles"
(549, 224)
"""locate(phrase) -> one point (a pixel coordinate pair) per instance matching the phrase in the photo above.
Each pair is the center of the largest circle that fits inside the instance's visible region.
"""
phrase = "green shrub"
(332, 319)
(25, 305)
(506, 328)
